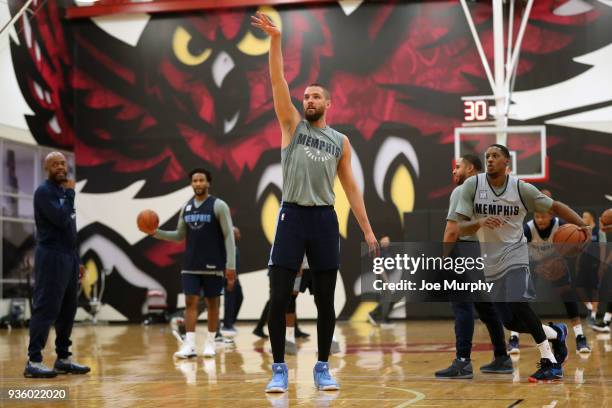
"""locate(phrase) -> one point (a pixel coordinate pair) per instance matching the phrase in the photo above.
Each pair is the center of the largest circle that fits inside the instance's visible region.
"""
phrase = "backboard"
(527, 145)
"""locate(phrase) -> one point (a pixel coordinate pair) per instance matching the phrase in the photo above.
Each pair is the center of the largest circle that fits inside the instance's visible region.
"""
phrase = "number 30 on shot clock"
(475, 110)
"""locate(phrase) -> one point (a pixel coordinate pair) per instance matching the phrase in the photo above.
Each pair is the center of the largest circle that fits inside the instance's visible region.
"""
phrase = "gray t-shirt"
(310, 164)
(222, 212)
(533, 198)
(452, 215)
(504, 248)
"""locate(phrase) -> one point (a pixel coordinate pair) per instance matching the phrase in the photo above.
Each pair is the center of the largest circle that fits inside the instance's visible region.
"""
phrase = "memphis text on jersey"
(496, 209)
(318, 144)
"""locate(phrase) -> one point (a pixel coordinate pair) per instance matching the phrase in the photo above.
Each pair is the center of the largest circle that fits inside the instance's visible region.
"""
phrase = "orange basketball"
(147, 221)
(606, 217)
(570, 239)
(552, 269)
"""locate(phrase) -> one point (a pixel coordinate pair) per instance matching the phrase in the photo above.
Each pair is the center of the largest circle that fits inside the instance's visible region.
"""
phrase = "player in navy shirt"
(205, 224)
(56, 271)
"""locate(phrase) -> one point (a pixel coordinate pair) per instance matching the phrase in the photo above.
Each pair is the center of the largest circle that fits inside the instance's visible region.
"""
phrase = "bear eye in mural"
(255, 42)
(182, 46)
(212, 61)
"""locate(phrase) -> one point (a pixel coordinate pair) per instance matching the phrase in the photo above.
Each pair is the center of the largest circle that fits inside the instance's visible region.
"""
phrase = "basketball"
(552, 270)
(606, 217)
(569, 239)
(147, 221)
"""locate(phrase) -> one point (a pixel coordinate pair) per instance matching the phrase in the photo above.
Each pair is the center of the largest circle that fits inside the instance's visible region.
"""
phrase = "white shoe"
(229, 332)
(186, 351)
(335, 347)
(290, 347)
(209, 348)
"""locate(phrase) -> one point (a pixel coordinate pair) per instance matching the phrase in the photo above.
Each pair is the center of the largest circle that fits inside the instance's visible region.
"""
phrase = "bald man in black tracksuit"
(56, 271)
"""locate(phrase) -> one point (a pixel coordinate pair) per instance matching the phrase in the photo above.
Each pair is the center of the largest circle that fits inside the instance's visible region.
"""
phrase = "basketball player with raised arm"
(312, 154)
(496, 204)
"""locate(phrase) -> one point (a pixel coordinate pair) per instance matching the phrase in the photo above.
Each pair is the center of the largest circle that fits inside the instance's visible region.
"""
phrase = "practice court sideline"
(392, 366)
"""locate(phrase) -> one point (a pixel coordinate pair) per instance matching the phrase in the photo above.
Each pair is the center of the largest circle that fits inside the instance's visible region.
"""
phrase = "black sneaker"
(591, 321)
(582, 346)
(372, 319)
(559, 344)
(67, 366)
(38, 370)
(601, 327)
(547, 372)
(500, 365)
(513, 345)
(457, 370)
(258, 331)
(300, 334)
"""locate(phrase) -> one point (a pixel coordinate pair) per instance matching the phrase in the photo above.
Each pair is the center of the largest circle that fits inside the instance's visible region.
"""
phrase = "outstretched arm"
(286, 113)
(176, 235)
(355, 199)
(566, 213)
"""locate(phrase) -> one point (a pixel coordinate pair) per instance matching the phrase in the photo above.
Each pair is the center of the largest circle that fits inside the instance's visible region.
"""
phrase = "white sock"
(546, 351)
(190, 338)
(593, 314)
(607, 317)
(514, 334)
(589, 306)
(334, 338)
(290, 335)
(578, 330)
(551, 334)
(211, 336)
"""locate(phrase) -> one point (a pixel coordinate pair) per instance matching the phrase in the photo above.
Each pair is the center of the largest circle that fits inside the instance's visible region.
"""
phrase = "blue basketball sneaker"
(67, 366)
(38, 370)
(280, 378)
(547, 372)
(513, 345)
(559, 344)
(322, 379)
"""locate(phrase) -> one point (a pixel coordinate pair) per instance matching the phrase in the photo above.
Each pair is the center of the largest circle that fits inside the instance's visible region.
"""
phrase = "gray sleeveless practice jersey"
(310, 163)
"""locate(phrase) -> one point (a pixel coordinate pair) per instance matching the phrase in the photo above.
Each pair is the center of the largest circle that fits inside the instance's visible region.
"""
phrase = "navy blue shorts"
(311, 230)
(306, 282)
(515, 286)
(196, 284)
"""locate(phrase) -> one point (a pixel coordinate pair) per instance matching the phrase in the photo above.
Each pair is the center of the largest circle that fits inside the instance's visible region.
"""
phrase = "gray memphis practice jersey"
(310, 163)
(504, 248)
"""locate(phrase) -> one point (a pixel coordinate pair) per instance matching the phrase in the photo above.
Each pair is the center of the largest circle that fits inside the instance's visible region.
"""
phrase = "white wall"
(12, 121)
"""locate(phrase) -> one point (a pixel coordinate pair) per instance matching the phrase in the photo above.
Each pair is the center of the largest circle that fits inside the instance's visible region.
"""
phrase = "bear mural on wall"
(193, 90)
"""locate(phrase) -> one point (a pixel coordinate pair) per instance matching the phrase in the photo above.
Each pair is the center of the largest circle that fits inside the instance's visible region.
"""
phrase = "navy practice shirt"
(205, 249)
(55, 217)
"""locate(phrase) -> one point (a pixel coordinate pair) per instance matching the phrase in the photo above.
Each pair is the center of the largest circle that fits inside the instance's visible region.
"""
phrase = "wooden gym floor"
(132, 366)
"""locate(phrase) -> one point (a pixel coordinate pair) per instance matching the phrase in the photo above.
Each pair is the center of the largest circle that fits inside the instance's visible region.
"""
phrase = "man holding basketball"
(312, 153)
(549, 265)
(461, 367)
(206, 225)
(56, 271)
(496, 204)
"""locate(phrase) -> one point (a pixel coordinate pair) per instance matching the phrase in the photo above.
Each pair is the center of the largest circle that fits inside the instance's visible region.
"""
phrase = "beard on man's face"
(314, 114)
(199, 191)
(59, 176)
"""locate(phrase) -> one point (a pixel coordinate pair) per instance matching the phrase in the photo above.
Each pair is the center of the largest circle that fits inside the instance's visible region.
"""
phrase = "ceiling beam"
(106, 7)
